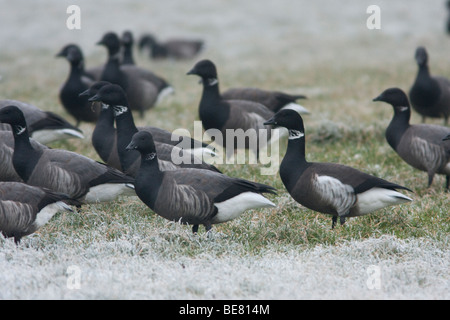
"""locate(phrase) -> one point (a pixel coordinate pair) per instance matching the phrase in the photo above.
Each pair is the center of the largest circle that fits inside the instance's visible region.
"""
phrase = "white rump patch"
(234, 207)
(378, 198)
(49, 211)
(164, 93)
(108, 192)
(296, 107)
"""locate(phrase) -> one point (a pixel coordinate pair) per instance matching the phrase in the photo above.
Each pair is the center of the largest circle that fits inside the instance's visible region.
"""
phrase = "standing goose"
(143, 88)
(193, 196)
(7, 171)
(220, 114)
(177, 49)
(43, 126)
(24, 208)
(113, 97)
(330, 188)
(81, 178)
(104, 136)
(127, 45)
(274, 100)
(77, 82)
(419, 145)
(430, 96)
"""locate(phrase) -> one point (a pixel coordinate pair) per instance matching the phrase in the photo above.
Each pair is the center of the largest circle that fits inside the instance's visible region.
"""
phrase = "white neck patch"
(105, 106)
(118, 110)
(295, 134)
(150, 156)
(402, 109)
(20, 130)
(212, 81)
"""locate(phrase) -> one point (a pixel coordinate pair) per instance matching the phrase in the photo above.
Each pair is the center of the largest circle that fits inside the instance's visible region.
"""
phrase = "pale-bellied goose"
(113, 96)
(330, 188)
(81, 178)
(217, 113)
(127, 45)
(429, 95)
(7, 171)
(144, 88)
(104, 136)
(176, 49)
(77, 82)
(274, 100)
(193, 196)
(43, 126)
(419, 145)
(24, 208)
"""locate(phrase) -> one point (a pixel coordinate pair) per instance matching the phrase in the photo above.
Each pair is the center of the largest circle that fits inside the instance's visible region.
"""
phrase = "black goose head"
(146, 40)
(142, 141)
(421, 56)
(127, 39)
(447, 137)
(206, 70)
(395, 97)
(72, 53)
(111, 94)
(14, 117)
(94, 89)
(289, 119)
(111, 41)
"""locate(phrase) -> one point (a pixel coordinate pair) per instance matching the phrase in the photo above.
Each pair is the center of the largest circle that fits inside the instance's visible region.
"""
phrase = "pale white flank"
(296, 107)
(163, 94)
(341, 196)
(49, 211)
(108, 192)
(378, 198)
(234, 207)
(48, 136)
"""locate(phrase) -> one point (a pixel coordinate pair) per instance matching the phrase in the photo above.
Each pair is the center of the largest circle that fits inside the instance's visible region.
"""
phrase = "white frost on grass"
(128, 269)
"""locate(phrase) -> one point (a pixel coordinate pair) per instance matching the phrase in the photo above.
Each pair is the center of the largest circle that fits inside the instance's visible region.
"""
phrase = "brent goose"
(104, 136)
(176, 49)
(274, 100)
(7, 171)
(144, 88)
(429, 95)
(330, 188)
(77, 82)
(113, 97)
(24, 208)
(220, 114)
(43, 126)
(419, 145)
(81, 178)
(193, 196)
(127, 45)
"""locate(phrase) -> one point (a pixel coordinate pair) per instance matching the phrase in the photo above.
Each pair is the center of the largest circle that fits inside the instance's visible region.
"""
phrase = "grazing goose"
(127, 45)
(43, 126)
(330, 188)
(193, 196)
(430, 96)
(113, 97)
(220, 114)
(176, 49)
(24, 208)
(419, 145)
(77, 82)
(104, 136)
(274, 100)
(7, 171)
(81, 178)
(144, 89)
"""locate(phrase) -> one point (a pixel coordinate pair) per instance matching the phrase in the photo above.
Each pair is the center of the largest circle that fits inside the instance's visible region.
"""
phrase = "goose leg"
(430, 178)
(447, 183)
(195, 228)
(333, 223)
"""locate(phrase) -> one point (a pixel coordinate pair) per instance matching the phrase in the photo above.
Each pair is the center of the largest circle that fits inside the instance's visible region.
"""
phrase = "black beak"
(131, 146)
(85, 93)
(379, 98)
(95, 98)
(191, 72)
(271, 121)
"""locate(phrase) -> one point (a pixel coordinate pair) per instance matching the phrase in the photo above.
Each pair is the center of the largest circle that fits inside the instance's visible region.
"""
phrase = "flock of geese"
(38, 181)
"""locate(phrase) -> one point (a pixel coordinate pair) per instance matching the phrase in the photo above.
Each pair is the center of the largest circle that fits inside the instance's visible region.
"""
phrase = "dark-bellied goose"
(81, 178)
(144, 88)
(24, 208)
(7, 171)
(330, 188)
(77, 82)
(127, 45)
(113, 96)
(176, 49)
(220, 114)
(43, 126)
(193, 196)
(104, 136)
(429, 95)
(274, 100)
(419, 145)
